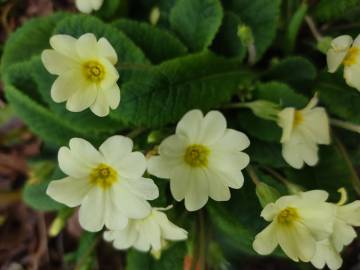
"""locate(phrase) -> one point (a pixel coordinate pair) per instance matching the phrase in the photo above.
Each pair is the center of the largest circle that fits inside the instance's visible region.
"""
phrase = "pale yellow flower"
(86, 73)
(148, 233)
(297, 223)
(345, 51)
(107, 183)
(87, 6)
(202, 159)
(303, 130)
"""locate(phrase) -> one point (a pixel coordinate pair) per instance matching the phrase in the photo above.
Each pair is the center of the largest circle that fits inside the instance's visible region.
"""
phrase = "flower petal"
(71, 165)
(96, 4)
(68, 191)
(159, 167)
(343, 234)
(66, 85)
(85, 151)
(326, 254)
(168, 229)
(173, 146)
(111, 74)
(265, 242)
(180, 179)
(351, 75)
(56, 63)
(84, 6)
(65, 44)
(106, 50)
(86, 46)
(100, 106)
(316, 122)
(116, 148)
(82, 99)
(114, 217)
(218, 189)
(198, 191)
(286, 122)
(92, 210)
(212, 128)
(113, 96)
(143, 187)
(189, 125)
(132, 165)
(232, 140)
(337, 53)
(350, 213)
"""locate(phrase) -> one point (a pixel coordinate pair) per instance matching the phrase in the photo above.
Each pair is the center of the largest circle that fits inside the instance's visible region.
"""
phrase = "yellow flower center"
(288, 216)
(103, 176)
(351, 57)
(94, 71)
(196, 155)
(298, 118)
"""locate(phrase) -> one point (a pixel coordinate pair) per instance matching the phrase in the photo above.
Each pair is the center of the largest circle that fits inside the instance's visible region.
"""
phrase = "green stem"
(354, 176)
(250, 170)
(313, 29)
(202, 241)
(345, 125)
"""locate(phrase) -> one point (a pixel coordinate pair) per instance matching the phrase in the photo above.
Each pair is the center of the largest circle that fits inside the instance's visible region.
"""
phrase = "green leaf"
(295, 70)
(196, 22)
(157, 44)
(275, 92)
(261, 16)
(163, 94)
(29, 40)
(326, 10)
(111, 8)
(171, 258)
(34, 192)
(292, 30)
(340, 99)
(127, 51)
(227, 41)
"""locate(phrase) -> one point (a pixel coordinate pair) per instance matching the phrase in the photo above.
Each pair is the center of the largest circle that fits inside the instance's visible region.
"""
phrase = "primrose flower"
(86, 73)
(108, 183)
(297, 223)
(87, 6)
(328, 250)
(345, 51)
(203, 159)
(147, 233)
(303, 130)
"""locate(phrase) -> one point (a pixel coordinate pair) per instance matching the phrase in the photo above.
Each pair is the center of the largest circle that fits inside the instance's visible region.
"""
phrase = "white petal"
(232, 140)
(106, 50)
(168, 229)
(356, 42)
(150, 232)
(343, 234)
(173, 146)
(68, 191)
(111, 74)
(326, 254)
(350, 213)
(132, 165)
(212, 128)
(228, 161)
(218, 189)
(317, 122)
(297, 242)
(351, 75)
(116, 148)
(189, 125)
(181, 177)
(127, 237)
(232, 178)
(82, 99)
(84, 6)
(83, 150)
(143, 187)
(338, 51)
(129, 203)
(265, 242)
(86, 47)
(56, 63)
(96, 4)
(286, 121)
(159, 167)
(270, 211)
(66, 85)
(113, 96)
(114, 217)
(92, 210)
(71, 165)
(65, 45)
(198, 191)
(100, 106)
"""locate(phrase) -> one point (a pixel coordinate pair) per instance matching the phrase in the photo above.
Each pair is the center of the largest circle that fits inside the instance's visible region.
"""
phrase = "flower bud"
(266, 194)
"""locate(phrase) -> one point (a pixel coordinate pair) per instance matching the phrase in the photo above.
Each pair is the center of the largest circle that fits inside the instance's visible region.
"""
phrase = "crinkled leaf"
(196, 22)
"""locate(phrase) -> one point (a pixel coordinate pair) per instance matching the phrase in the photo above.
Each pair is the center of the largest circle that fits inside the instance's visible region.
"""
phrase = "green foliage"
(171, 258)
(162, 95)
(340, 99)
(261, 16)
(326, 10)
(196, 22)
(157, 44)
(34, 192)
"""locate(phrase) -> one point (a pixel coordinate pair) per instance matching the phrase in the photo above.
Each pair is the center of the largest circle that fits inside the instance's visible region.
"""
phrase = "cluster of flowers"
(202, 159)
